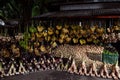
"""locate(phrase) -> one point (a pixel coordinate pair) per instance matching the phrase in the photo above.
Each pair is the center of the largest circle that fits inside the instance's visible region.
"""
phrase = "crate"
(110, 58)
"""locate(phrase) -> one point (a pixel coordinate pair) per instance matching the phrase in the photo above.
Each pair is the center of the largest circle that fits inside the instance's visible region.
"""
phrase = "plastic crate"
(110, 58)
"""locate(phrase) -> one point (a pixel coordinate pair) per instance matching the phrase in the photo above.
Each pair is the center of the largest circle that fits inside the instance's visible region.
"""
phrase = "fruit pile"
(18, 37)
(73, 34)
(43, 39)
(112, 35)
(10, 50)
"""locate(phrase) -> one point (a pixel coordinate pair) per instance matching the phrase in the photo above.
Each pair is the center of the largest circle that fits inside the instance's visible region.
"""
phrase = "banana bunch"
(58, 27)
(67, 34)
(75, 40)
(40, 28)
(50, 31)
(92, 29)
(82, 41)
(116, 28)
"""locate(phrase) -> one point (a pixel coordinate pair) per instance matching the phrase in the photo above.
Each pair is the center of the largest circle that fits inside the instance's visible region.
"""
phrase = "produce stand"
(73, 39)
(105, 16)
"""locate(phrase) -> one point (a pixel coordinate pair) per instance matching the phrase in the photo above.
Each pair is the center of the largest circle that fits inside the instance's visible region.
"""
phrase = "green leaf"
(35, 10)
(26, 35)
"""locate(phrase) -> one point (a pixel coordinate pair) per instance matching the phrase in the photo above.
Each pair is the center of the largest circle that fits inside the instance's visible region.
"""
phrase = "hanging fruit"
(57, 32)
(50, 31)
(37, 52)
(45, 33)
(43, 48)
(92, 29)
(26, 35)
(89, 40)
(53, 44)
(40, 28)
(100, 30)
(58, 27)
(61, 40)
(32, 29)
(82, 41)
(38, 35)
(23, 44)
(68, 39)
(64, 30)
(53, 38)
(75, 40)
(62, 36)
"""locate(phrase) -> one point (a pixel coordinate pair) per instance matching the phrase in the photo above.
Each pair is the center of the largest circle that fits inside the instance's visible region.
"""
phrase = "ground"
(51, 75)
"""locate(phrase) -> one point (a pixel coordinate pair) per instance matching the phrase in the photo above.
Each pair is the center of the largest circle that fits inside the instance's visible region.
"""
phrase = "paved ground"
(51, 75)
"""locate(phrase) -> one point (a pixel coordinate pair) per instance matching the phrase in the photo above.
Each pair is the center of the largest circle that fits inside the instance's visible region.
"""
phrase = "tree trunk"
(26, 13)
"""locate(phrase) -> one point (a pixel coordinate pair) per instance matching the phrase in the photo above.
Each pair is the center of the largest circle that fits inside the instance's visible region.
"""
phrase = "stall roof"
(109, 13)
(84, 10)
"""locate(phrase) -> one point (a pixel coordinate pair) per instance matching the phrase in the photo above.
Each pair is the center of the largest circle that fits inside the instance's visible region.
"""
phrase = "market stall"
(81, 38)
